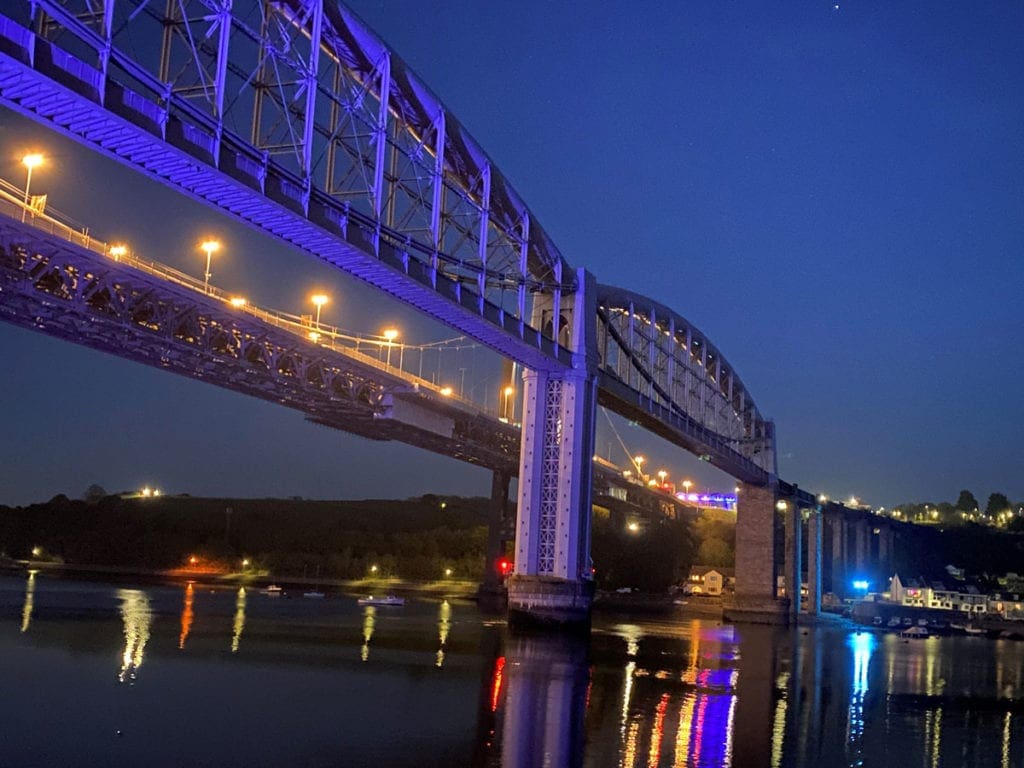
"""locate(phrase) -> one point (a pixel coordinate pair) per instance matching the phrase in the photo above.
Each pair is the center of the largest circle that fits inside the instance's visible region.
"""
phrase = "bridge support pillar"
(794, 561)
(755, 600)
(838, 555)
(814, 526)
(862, 548)
(491, 583)
(885, 553)
(552, 582)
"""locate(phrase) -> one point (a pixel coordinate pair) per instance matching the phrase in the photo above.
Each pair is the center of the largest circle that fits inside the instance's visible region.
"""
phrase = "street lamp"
(117, 251)
(686, 485)
(30, 161)
(662, 474)
(210, 247)
(319, 300)
(238, 301)
(639, 462)
(390, 334)
(507, 391)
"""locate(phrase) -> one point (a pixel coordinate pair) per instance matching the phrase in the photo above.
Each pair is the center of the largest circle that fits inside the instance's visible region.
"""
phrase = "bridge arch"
(659, 369)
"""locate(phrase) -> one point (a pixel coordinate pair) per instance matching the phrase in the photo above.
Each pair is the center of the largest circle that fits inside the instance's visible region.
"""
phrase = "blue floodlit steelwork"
(294, 117)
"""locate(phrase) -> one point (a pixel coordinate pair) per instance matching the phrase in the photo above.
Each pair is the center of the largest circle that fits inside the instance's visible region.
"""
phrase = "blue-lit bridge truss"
(291, 115)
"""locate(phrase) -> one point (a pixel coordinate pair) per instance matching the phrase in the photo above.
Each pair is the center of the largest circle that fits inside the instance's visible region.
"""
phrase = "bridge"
(295, 118)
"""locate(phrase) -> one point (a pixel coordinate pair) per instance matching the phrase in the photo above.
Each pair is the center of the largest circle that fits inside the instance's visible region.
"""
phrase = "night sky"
(834, 194)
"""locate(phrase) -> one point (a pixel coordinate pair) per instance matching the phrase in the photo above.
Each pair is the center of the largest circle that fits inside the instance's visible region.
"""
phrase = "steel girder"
(50, 285)
(293, 117)
(659, 369)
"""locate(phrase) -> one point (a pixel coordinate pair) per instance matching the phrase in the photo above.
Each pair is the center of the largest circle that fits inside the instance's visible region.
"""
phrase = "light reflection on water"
(369, 621)
(239, 621)
(186, 617)
(686, 693)
(138, 618)
(30, 595)
(444, 623)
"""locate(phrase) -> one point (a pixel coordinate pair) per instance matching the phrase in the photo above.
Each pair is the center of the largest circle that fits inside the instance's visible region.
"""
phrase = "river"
(98, 674)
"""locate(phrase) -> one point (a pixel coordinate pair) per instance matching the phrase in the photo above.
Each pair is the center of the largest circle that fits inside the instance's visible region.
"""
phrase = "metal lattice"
(661, 370)
(294, 116)
(549, 480)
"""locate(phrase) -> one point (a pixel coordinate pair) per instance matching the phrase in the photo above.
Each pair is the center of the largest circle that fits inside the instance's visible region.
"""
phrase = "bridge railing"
(54, 222)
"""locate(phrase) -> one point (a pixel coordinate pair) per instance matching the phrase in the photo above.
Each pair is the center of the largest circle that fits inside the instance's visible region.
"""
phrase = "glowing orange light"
(499, 668)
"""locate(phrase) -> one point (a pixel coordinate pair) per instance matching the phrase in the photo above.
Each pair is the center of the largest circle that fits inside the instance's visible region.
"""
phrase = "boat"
(387, 600)
(314, 594)
(919, 633)
(961, 627)
(272, 591)
(972, 630)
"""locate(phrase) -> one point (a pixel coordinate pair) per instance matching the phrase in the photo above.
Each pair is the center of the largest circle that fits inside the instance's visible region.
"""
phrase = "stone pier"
(755, 600)
(815, 522)
(794, 561)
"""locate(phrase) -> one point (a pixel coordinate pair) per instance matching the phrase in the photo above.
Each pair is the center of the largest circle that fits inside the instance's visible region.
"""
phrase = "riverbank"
(441, 588)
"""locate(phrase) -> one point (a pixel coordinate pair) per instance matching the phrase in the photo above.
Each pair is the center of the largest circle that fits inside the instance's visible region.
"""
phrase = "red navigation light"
(504, 566)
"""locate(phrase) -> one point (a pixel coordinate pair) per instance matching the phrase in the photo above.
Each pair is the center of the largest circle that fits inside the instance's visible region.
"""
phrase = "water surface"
(123, 675)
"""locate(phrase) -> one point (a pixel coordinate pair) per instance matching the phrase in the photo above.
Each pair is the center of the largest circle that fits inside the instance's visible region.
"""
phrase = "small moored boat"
(914, 633)
(387, 600)
(273, 591)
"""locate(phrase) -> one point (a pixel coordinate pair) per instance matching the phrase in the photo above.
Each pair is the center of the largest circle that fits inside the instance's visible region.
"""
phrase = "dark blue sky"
(835, 196)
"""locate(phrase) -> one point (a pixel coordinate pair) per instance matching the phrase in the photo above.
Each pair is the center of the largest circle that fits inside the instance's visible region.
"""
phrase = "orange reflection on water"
(138, 618)
(186, 616)
(499, 671)
(654, 756)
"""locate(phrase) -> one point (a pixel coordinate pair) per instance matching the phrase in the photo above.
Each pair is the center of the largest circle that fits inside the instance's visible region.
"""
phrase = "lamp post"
(390, 334)
(662, 474)
(686, 486)
(318, 300)
(210, 247)
(30, 161)
(507, 392)
(118, 251)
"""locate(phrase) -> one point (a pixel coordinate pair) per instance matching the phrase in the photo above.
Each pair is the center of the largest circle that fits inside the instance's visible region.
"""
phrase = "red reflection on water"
(499, 668)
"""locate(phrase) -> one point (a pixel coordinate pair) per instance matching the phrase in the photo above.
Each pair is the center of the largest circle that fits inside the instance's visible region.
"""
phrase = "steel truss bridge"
(61, 281)
(293, 117)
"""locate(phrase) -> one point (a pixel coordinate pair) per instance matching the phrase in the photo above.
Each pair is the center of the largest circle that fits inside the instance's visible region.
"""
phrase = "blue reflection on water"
(863, 645)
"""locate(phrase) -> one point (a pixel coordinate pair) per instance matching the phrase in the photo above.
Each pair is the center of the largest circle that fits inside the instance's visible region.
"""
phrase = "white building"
(955, 596)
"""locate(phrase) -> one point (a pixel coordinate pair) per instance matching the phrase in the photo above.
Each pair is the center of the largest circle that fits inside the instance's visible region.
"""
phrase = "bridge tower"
(552, 581)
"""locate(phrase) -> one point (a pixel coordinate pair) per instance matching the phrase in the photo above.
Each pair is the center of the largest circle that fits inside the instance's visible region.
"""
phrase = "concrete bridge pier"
(838, 565)
(794, 560)
(815, 522)
(553, 579)
(755, 600)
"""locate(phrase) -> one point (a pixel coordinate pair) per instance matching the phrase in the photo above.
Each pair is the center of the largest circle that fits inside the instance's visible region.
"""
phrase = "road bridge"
(293, 117)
